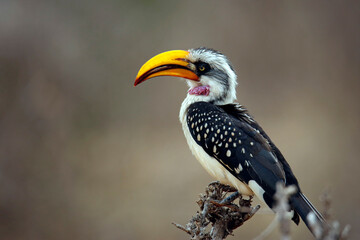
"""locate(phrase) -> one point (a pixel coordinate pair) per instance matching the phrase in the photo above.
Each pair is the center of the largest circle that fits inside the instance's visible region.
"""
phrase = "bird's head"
(209, 73)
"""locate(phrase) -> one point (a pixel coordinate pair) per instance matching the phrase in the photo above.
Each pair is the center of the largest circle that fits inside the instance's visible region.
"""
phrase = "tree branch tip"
(181, 228)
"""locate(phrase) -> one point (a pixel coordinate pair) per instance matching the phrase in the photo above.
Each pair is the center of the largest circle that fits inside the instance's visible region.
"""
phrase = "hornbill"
(221, 134)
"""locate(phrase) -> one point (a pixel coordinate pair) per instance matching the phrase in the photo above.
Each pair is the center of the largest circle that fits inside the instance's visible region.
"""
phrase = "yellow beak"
(170, 63)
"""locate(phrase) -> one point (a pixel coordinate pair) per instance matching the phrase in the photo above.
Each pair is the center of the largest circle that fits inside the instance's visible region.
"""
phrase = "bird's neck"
(190, 99)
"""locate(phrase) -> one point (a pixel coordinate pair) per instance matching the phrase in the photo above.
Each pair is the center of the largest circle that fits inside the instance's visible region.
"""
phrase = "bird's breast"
(212, 166)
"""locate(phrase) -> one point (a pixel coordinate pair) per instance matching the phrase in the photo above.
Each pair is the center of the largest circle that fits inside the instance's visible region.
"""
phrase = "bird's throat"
(200, 90)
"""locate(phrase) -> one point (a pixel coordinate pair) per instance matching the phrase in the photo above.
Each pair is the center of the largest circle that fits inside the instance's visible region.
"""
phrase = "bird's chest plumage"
(212, 165)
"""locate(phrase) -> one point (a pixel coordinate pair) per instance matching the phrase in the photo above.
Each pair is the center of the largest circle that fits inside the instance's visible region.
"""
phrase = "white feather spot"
(218, 131)
(228, 153)
(243, 150)
(232, 134)
(214, 149)
(239, 141)
(212, 139)
(221, 136)
(259, 191)
(226, 133)
(251, 155)
(192, 125)
(197, 129)
(198, 137)
(234, 144)
(220, 144)
(205, 135)
(252, 143)
(230, 139)
(207, 130)
(238, 169)
(230, 123)
(311, 218)
(226, 145)
(205, 125)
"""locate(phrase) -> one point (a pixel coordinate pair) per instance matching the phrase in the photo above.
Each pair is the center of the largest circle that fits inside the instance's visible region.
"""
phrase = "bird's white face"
(209, 73)
(217, 78)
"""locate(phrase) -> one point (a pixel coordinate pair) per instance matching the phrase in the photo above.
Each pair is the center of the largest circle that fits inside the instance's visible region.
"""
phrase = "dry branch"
(217, 208)
(331, 231)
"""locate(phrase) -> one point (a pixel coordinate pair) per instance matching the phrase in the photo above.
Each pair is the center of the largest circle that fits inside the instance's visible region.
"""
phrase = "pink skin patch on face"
(200, 90)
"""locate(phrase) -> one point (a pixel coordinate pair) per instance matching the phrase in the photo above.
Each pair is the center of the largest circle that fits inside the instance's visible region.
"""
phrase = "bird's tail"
(304, 207)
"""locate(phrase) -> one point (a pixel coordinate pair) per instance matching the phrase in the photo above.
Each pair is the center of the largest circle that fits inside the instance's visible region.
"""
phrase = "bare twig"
(269, 229)
(283, 216)
(282, 208)
(331, 231)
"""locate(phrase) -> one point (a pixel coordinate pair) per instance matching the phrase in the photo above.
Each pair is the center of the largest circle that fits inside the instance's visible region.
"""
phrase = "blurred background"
(85, 155)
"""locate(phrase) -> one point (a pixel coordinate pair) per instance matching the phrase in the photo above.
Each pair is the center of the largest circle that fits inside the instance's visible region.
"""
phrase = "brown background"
(85, 155)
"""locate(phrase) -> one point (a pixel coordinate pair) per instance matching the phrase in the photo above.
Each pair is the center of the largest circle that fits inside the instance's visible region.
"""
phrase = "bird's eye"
(202, 67)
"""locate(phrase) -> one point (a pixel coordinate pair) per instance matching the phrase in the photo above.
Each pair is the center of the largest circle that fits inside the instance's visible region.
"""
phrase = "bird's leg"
(226, 202)
(218, 191)
(230, 198)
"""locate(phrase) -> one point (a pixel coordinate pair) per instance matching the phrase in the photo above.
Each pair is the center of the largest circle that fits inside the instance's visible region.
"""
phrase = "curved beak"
(170, 63)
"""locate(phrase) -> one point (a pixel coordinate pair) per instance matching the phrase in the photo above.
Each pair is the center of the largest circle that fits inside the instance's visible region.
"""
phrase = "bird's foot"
(226, 202)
